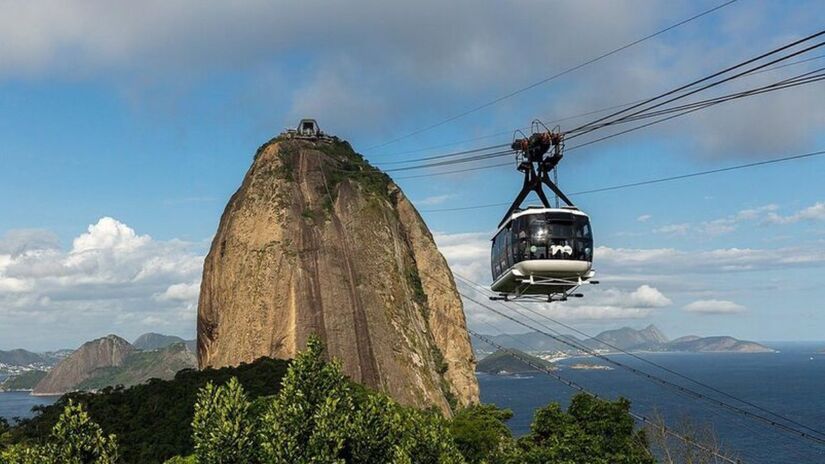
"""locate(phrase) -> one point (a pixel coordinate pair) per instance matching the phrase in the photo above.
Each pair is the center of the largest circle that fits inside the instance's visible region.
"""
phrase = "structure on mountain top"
(307, 130)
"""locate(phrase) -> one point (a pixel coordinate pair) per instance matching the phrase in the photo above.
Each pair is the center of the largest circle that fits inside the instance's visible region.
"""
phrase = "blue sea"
(20, 404)
(790, 383)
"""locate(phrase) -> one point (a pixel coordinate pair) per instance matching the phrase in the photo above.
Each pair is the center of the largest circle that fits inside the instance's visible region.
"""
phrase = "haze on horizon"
(126, 129)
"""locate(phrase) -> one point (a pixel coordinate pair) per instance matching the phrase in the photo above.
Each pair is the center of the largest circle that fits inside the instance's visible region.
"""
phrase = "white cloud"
(18, 241)
(433, 200)
(181, 292)
(713, 307)
(670, 261)
(815, 212)
(647, 297)
(763, 214)
(109, 233)
(644, 218)
(110, 273)
(673, 229)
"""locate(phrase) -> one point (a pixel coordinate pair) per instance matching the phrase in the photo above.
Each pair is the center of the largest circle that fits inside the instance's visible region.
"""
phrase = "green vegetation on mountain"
(24, 381)
(155, 341)
(265, 413)
(511, 361)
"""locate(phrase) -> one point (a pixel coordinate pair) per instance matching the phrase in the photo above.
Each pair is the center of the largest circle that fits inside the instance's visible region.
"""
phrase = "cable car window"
(562, 230)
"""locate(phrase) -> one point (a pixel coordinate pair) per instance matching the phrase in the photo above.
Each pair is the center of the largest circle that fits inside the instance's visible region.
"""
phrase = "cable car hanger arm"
(536, 167)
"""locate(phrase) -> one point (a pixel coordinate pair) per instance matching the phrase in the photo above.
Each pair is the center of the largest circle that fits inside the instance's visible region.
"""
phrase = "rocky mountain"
(111, 361)
(316, 241)
(648, 339)
(108, 351)
(504, 362)
(155, 341)
(141, 366)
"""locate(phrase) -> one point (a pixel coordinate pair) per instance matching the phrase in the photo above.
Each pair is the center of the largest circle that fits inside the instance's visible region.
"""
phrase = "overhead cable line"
(552, 121)
(653, 181)
(645, 112)
(802, 79)
(712, 76)
(668, 118)
(680, 110)
(552, 77)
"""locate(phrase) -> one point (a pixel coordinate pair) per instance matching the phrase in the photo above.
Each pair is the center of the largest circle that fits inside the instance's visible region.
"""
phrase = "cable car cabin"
(542, 251)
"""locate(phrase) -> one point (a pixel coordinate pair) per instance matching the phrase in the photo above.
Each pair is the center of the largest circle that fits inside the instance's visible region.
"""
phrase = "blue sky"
(125, 130)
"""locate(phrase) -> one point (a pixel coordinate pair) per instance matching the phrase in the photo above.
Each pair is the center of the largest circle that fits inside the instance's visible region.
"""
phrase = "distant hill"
(717, 344)
(503, 362)
(648, 339)
(155, 341)
(111, 361)
(140, 366)
(108, 351)
(24, 381)
(627, 338)
(20, 357)
(532, 341)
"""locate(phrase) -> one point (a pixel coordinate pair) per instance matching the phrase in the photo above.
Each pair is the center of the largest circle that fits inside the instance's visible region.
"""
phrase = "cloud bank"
(110, 279)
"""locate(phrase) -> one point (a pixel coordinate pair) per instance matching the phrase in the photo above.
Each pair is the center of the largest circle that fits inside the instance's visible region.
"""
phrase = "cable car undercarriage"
(541, 253)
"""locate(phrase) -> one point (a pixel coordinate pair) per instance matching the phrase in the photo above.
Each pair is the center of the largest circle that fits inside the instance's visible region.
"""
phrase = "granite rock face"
(108, 351)
(316, 241)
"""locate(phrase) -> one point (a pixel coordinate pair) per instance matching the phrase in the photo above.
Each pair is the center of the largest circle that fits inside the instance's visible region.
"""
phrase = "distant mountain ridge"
(111, 360)
(108, 351)
(505, 362)
(154, 341)
(21, 357)
(628, 339)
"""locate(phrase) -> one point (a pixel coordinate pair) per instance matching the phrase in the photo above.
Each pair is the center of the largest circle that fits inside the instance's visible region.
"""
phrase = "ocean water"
(20, 404)
(791, 383)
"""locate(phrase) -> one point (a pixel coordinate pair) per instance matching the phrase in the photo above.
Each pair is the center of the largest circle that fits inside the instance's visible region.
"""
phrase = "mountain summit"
(316, 241)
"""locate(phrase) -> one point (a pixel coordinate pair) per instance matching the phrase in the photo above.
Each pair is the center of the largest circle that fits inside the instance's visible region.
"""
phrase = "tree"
(480, 433)
(319, 416)
(310, 418)
(592, 430)
(223, 428)
(75, 439)
(673, 450)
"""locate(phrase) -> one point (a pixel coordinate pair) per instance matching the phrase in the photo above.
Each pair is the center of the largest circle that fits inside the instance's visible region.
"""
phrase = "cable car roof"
(540, 210)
